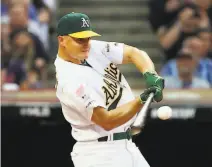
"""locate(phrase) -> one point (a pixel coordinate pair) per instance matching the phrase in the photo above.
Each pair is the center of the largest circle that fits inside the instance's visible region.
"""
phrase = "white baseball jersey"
(98, 82)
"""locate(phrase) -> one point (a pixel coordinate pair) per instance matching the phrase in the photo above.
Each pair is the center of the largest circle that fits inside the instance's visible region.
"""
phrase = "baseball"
(164, 112)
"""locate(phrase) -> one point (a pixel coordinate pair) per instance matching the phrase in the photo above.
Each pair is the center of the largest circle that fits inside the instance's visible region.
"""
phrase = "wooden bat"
(141, 116)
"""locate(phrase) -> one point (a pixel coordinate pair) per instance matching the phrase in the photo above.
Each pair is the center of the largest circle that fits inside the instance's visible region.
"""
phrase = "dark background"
(29, 141)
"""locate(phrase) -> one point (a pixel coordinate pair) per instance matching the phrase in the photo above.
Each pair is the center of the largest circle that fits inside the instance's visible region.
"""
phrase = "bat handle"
(142, 114)
(148, 102)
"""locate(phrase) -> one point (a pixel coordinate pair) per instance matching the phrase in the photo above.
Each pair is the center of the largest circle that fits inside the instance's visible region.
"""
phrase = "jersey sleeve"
(112, 50)
(81, 98)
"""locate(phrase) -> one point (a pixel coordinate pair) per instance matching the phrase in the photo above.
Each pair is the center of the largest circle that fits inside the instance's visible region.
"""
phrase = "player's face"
(77, 47)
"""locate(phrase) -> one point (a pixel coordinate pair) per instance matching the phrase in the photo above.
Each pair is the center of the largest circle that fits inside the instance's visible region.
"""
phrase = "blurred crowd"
(184, 30)
(25, 32)
(183, 27)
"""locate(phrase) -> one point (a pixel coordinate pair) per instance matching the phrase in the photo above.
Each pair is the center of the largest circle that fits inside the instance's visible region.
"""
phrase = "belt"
(118, 136)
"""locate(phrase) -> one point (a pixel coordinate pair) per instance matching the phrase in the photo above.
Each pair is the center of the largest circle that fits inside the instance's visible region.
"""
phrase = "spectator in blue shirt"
(185, 66)
(204, 65)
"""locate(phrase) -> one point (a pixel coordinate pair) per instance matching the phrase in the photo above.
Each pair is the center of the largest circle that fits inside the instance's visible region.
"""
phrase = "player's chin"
(85, 54)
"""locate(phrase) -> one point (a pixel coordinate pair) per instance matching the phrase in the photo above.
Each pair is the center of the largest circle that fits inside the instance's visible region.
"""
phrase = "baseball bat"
(141, 116)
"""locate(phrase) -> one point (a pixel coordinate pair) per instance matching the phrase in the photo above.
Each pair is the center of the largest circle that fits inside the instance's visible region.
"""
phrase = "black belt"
(118, 136)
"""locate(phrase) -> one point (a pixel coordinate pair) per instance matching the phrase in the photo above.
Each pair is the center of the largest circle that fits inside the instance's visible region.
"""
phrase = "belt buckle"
(110, 137)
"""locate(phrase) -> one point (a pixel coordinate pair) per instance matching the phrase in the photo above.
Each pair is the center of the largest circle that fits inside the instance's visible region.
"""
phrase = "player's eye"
(82, 40)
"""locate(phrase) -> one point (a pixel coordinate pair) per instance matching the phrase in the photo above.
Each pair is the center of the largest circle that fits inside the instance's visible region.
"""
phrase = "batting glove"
(154, 80)
(144, 96)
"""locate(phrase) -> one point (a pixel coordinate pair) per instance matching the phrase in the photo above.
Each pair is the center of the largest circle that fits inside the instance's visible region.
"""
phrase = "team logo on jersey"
(85, 96)
(85, 23)
(109, 47)
(112, 89)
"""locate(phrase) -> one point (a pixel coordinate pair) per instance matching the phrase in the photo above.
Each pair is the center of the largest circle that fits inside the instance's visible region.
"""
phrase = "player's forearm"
(122, 114)
(142, 61)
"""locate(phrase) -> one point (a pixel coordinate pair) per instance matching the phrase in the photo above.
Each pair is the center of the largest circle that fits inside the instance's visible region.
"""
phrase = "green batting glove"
(144, 96)
(154, 80)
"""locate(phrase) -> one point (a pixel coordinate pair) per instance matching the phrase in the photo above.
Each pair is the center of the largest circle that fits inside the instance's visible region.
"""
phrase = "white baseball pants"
(119, 153)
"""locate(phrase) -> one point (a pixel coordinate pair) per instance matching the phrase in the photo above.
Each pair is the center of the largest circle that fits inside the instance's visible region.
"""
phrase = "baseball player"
(96, 98)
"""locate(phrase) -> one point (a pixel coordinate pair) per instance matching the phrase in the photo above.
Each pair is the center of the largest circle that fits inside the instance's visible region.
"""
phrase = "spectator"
(24, 41)
(163, 12)
(5, 5)
(201, 43)
(31, 82)
(5, 49)
(185, 65)
(5, 44)
(203, 65)
(26, 54)
(174, 21)
(44, 18)
(205, 35)
(19, 19)
(48, 7)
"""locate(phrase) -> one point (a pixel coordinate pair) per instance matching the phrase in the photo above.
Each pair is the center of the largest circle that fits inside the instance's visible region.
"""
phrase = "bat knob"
(135, 131)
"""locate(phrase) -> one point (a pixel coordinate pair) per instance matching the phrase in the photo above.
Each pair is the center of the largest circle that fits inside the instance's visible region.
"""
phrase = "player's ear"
(61, 40)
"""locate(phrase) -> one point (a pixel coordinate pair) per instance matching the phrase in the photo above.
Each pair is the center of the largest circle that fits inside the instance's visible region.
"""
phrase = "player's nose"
(86, 44)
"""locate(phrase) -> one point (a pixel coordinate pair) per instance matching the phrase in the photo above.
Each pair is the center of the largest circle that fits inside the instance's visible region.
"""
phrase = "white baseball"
(164, 112)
